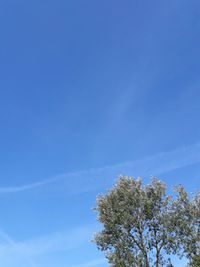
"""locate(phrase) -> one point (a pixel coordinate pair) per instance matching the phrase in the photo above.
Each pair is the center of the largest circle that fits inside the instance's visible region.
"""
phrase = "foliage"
(186, 223)
(196, 261)
(142, 224)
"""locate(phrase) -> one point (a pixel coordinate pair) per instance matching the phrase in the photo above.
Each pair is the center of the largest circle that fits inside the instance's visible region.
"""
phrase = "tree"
(186, 224)
(196, 261)
(141, 223)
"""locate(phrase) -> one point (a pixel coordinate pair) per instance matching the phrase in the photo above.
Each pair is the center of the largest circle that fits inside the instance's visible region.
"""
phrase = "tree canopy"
(143, 225)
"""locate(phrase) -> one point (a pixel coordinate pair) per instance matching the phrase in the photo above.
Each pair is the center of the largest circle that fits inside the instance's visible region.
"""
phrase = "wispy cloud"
(11, 245)
(92, 263)
(58, 241)
(87, 180)
(15, 189)
(14, 251)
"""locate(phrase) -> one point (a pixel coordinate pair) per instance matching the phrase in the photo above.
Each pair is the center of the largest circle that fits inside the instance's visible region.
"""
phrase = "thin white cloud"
(93, 179)
(15, 251)
(25, 187)
(58, 241)
(92, 263)
(11, 245)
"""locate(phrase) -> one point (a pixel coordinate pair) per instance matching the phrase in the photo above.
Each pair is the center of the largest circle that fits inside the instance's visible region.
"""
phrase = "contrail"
(15, 246)
(91, 263)
(47, 244)
(92, 179)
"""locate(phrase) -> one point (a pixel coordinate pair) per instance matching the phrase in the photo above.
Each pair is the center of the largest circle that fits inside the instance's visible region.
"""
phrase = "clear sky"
(90, 90)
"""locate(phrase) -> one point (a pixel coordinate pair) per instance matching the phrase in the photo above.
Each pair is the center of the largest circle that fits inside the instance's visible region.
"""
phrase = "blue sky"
(90, 90)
